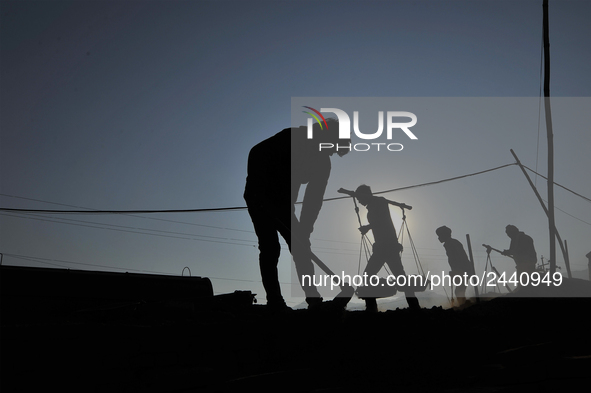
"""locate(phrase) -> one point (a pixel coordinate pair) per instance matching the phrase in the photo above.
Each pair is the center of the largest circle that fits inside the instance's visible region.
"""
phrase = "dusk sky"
(133, 105)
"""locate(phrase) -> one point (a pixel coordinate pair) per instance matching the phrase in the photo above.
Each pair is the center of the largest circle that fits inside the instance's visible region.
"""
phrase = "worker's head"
(363, 194)
(443, 233)
(511, 231)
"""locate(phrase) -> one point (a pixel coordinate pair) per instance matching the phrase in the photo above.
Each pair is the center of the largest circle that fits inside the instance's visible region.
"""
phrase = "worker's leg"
(265, 228)
(300, 251)
(397, 269)
(374, 264)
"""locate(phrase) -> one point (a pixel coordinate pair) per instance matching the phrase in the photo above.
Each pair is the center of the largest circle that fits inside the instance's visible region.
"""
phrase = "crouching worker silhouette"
(386, 248)
(277, 167)
(457, 259)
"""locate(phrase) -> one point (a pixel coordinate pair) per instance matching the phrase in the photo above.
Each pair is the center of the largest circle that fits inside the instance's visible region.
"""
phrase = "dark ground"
(507, 344)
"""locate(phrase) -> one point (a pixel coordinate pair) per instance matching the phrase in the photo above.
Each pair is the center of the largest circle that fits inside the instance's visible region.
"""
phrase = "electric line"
(159, 219)
(133, 228)
(35, 260)
(126, 230)
(215, 209)
(431, 183)
(178, 235)
(45, 261)
(45, 211)
(568, 214)
(49, 260)
(175, 235)
(567, 189)
(152, 230)
(130, 215)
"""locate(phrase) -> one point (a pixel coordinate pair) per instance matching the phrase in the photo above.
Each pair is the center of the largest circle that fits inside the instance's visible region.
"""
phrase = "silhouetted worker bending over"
(386, 248)
(277, 167)
(457, 259)
(521, 250)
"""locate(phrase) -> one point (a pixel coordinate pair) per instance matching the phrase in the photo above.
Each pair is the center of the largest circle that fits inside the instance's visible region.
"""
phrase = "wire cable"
(430, 183)
(47, 211)
(561, 186)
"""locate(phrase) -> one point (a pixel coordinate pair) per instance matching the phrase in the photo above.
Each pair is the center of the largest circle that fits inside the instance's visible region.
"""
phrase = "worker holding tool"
(521, 250)
(277, 168)
(386, 249)
(457, 259)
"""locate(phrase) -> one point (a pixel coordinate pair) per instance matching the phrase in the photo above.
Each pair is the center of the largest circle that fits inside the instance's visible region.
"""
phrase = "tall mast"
(550, 140)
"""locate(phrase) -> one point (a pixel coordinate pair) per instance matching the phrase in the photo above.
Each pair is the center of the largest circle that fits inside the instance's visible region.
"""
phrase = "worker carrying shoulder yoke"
(386, 248)
(277, 168)
(521, 250)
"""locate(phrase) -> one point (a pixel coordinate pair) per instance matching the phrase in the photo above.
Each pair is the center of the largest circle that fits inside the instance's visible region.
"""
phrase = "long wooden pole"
(551, 225)
(531, 183)
(473, 272)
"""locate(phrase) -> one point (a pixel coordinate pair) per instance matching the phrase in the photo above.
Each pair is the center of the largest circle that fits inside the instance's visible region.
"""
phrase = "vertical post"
(566, 249)
(589, 264)
(550, 136)
(473, 272)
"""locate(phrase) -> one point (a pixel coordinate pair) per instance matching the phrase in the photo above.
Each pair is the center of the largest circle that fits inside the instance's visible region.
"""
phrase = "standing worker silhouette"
(277, 167)
(457, 259)
(386, 248)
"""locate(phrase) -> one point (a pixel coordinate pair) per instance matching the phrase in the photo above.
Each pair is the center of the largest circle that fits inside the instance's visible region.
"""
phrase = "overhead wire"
(26, 213)
(122, 228)
(428, 183)
(150, 218)
(171, 234)
(48, 261)
(47, 211)
(166, 234)
(561, 186)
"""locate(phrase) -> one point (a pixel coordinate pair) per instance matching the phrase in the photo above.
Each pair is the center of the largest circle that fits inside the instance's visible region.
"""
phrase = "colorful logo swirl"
(315, 117)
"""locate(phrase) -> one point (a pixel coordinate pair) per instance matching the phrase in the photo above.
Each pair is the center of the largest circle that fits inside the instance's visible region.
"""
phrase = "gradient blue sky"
(155, 105)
